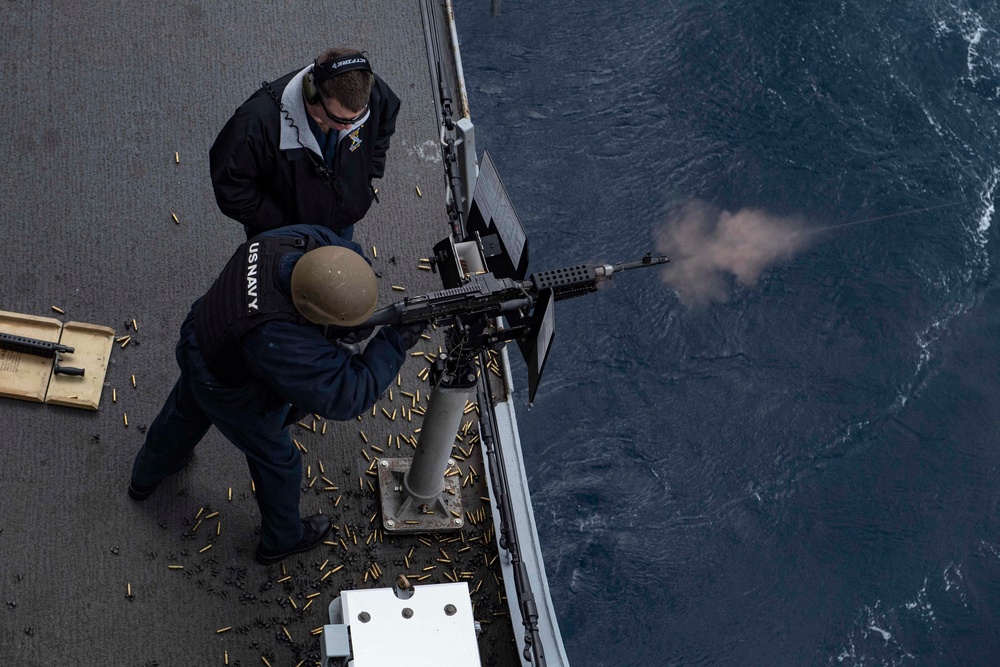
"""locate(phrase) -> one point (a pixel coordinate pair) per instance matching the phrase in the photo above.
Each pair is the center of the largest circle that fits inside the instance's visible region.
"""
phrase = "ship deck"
(108, 215)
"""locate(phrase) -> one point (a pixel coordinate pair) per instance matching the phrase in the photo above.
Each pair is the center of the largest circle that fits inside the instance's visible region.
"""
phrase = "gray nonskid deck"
(99, 100)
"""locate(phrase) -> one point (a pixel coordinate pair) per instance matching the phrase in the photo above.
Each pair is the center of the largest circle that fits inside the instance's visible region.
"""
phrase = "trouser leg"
(275, 467)
(180, 426)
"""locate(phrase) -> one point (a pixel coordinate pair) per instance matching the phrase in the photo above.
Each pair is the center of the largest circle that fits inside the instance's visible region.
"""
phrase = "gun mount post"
(417, 494)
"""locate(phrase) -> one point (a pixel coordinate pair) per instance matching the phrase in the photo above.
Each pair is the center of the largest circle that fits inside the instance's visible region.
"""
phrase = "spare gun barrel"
(40, 348)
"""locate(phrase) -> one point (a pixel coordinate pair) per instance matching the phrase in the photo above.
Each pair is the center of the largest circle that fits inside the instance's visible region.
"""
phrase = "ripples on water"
(804, 474)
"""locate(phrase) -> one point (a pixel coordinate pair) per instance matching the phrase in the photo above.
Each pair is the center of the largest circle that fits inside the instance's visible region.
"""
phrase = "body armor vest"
(244, 296)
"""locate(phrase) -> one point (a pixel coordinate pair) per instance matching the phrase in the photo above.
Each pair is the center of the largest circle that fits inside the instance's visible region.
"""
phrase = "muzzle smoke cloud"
(707, 245)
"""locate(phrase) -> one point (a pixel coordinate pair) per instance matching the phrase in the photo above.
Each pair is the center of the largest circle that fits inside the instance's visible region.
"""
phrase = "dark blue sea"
(803, 469)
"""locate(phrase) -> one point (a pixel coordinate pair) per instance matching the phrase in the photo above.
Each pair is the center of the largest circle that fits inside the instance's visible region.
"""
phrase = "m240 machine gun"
(478, 296)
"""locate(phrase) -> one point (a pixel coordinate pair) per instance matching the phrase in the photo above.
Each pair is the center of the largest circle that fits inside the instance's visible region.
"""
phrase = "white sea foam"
(953, 580)
(886, 635)
(878, 623)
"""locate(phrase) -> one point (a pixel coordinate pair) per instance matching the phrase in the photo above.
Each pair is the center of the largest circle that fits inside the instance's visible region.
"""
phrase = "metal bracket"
(401, 514)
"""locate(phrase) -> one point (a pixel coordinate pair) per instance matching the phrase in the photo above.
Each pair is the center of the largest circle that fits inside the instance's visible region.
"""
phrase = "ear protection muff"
(325, 71)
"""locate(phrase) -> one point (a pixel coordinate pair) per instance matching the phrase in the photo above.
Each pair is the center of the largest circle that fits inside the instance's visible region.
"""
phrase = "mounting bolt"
(389, 523)
(457, 521)
(364, 617)
(383, 463)
(451, 462)
(407, 612)
(450, 609)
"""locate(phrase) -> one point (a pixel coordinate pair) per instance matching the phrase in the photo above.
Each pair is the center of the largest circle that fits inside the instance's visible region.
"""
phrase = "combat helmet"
(334, 285)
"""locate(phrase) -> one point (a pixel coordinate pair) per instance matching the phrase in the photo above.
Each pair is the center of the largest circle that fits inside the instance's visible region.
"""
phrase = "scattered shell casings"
(129, 590)
(114, 396)
(177, 160)
(419, 193)
(264, 660)
(125, 417)
(399, 288)
(59, 310)
(225, 629)
(174, 216)
(177, 567)
(230, 493)
(135, 326)
(285, 630)
(133, 380)
(205, 548)
(374, 252)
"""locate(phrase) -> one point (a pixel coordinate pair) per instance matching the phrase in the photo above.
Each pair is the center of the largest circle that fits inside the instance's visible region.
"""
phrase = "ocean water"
(806, 469)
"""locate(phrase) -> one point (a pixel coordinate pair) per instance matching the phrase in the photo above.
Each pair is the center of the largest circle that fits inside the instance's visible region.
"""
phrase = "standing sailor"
(254, 345)
(305, 148)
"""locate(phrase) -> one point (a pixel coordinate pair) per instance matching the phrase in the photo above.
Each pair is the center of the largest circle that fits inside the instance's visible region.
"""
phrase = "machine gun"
(475, 296)
(40, 348)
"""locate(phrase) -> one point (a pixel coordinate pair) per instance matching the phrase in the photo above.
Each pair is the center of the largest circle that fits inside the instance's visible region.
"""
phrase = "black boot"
(137, 492)
(314, 531)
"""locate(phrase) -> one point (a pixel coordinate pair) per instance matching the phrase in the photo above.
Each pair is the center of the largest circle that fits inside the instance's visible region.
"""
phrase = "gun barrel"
(607, 270)
(40, 348)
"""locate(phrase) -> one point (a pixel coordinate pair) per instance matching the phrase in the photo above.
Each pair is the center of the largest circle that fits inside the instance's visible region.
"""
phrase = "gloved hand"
(358, 335)
(410, 333)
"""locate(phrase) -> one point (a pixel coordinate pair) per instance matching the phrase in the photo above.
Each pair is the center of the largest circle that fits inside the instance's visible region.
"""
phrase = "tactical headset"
(321, 72)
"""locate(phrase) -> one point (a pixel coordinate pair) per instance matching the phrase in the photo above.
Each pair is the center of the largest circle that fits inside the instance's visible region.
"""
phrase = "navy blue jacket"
(268, 170)
(295, 363)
